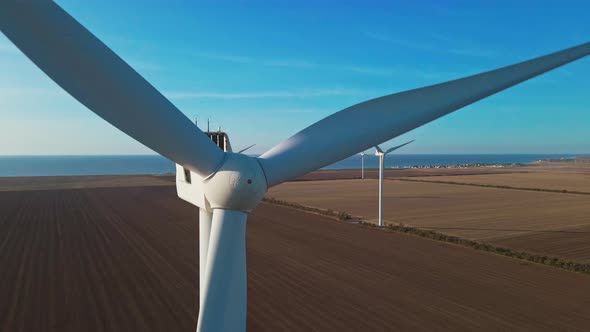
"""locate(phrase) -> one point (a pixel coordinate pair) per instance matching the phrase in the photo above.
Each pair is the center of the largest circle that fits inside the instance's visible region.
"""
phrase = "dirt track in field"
(125, 259)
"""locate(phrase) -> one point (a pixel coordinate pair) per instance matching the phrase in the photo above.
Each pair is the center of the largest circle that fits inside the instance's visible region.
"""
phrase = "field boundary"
(560, 191)
(555, 262)
(338, 215)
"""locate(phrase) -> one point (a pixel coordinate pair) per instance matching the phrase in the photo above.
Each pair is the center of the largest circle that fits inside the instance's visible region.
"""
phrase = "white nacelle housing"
(239, 184)
(189, 187)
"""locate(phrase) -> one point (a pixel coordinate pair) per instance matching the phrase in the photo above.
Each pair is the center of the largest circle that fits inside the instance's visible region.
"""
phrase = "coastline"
(18, 166)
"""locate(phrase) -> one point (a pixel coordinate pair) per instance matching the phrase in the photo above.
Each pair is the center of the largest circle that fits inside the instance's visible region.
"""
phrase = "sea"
(11, 166)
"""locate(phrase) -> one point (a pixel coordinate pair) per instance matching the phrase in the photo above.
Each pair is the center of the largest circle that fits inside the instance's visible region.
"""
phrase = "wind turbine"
(379, 152)
(226, 186)
(362, 164)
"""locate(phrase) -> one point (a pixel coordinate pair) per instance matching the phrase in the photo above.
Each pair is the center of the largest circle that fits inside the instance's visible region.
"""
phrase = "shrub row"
(343, 216)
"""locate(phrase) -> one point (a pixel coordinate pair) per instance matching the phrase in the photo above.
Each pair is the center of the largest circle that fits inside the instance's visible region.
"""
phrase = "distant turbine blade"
(378, 149)
(223, 304)
(397, 147)
(94, 75)
(378, 120)
(244, 149)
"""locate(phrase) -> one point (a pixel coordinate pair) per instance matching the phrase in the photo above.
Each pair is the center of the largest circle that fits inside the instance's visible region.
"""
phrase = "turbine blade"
(397, 147)
(244, 149)
(332, 139)
(378, 149)
(223, 302)
(89, 71)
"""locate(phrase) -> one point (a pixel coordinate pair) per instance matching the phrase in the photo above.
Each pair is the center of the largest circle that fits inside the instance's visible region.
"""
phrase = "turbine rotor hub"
(239, 184)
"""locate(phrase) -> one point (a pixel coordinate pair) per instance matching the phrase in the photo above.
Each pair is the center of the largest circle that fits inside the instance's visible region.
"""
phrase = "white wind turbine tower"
(381, 154)
(362, 164)
(226, 186)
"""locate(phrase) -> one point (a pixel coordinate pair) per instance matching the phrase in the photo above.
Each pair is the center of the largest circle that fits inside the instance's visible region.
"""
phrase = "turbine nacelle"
(238, 184)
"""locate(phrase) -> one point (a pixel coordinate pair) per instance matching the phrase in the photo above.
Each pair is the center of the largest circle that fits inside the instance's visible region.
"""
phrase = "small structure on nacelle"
(220, 138)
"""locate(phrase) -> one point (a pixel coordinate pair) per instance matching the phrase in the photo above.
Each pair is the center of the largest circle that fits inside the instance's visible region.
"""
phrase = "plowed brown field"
(125, 259)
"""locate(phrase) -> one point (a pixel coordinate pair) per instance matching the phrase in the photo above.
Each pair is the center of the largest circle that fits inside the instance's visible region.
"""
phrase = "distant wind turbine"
(363, 165)
(381, 156)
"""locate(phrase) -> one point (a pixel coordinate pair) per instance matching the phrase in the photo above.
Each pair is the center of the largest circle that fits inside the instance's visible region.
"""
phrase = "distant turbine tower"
(381, 156)
(363, 165)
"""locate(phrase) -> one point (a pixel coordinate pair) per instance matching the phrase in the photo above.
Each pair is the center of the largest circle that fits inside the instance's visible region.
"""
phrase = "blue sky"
(265, 71)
